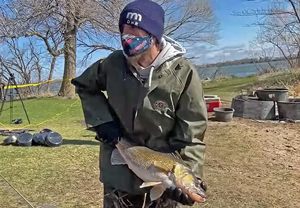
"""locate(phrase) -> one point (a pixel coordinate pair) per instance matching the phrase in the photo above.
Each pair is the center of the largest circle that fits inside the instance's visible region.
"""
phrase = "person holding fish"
(152, 120)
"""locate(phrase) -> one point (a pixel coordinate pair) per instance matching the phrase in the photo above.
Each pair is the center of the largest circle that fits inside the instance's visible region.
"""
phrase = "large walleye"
(160, 170)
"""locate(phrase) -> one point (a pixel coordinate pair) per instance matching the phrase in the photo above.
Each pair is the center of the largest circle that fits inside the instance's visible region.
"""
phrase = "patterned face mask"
(133, 45)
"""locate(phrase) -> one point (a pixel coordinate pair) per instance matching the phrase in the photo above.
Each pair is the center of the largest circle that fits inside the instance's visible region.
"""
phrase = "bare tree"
(190, 21)
(262, 51)
(21, 59)
(279, 27)
(93, 24)
(48, 19)
(37, 66)
(53, 41)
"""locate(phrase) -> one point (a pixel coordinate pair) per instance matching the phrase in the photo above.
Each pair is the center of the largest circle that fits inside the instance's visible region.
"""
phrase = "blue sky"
(235, 32)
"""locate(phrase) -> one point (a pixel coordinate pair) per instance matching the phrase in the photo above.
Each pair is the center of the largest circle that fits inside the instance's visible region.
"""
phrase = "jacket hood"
(171, 48)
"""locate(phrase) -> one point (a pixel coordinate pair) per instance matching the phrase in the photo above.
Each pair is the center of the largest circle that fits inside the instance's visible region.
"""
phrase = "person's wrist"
(108, 132)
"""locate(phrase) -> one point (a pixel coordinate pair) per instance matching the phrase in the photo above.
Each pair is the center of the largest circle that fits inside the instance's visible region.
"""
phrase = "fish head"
(190, 184)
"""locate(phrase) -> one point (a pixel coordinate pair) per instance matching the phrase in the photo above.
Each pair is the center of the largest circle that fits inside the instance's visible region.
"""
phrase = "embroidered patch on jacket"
(160, 105)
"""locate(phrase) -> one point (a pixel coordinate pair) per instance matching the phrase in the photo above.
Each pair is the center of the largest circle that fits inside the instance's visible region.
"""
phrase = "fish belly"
(151, 176)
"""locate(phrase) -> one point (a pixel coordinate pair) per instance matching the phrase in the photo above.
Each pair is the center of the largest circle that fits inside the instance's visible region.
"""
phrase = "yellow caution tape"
(35, 84)
(40, 83)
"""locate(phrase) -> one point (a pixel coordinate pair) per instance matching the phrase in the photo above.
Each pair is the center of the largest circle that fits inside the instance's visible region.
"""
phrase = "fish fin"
(125, 142)
(176, 155)
(147, 184)
(116, 158)
(156, 192)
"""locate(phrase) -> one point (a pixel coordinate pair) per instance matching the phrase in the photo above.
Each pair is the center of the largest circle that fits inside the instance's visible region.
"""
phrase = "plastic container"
(253, 109)
(272, 94)
(289, 109)
(37, 139)
(53, 139)
(210, 96)
(24, 139)
(224, 114)
(212, 101)
(43, 134)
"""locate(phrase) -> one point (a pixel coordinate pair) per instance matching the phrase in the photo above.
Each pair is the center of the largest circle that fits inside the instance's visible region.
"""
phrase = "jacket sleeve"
(89, 86)
(190, 124)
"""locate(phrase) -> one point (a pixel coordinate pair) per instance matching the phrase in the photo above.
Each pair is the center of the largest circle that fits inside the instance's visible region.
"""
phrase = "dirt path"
(253, 164)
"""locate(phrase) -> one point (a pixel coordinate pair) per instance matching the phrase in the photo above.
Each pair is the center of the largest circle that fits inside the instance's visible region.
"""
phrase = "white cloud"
(213, 54)
(204, 55)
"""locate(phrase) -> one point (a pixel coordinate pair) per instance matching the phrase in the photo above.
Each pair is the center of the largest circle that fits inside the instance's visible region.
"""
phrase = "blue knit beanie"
(146, 15)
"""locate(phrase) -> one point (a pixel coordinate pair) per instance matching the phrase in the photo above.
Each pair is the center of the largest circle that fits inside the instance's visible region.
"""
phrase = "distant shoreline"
(241, 62)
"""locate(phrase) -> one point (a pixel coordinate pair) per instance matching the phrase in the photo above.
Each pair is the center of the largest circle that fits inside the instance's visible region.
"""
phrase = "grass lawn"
(248, 164)
(228, 88)
(65, 176)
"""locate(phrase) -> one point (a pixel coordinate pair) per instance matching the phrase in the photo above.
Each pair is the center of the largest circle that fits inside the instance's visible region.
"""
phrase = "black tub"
(272, 94)
(253, 109)
(289, 109)
(224, 114)
(25, 139)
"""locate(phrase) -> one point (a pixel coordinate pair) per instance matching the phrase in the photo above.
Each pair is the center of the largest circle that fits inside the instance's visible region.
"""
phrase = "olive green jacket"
(168, 115)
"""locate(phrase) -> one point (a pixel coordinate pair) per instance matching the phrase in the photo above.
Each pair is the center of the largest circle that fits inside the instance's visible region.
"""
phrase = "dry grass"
(289, 79)
(251, 164)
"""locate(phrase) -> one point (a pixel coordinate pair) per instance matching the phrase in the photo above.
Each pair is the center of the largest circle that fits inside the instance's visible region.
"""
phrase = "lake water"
(242, 70)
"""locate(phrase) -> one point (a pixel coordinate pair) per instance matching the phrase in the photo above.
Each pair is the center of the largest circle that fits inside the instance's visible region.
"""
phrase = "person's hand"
(178, 195)
(109, 133)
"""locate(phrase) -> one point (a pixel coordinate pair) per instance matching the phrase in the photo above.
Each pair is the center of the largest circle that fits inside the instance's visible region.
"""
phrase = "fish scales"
(147, 158)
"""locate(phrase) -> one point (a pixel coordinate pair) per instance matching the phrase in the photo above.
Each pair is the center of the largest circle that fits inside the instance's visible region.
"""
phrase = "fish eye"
(197, 183)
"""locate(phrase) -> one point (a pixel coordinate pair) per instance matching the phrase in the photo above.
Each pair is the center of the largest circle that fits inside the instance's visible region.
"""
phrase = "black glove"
(109, 133)
(177, 195)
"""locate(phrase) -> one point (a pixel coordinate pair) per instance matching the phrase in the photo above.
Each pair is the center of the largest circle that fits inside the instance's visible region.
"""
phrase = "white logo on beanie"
(133, 18)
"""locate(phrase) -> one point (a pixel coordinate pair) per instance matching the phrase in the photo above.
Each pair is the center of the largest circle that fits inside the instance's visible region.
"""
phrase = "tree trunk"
(51, 73)
(298, 59)
(39, 80)
(67, 90)
(27, 81)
